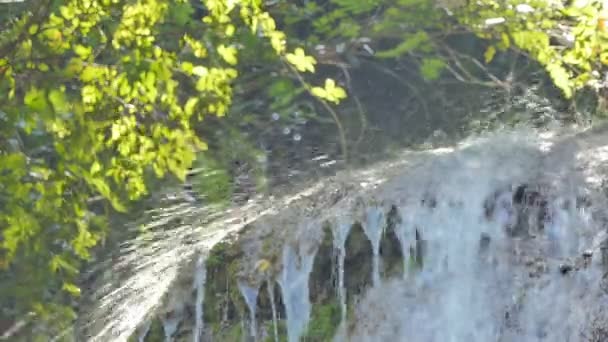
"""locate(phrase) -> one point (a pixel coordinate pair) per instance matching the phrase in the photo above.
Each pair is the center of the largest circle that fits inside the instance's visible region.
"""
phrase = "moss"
(390, 248)
(322, 277)
(324, 322)
(232, 334)
(217, 255)
(268, 245)
(223, 304)
(156, 332)
(281, 330)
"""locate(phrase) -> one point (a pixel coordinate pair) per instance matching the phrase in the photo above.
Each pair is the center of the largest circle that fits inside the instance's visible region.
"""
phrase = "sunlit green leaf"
(301, 61)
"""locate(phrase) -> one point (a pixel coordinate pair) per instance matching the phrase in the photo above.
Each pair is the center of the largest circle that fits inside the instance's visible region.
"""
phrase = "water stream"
(373, 228)
(199, 286)
(294, 289)
(505, 229)
(251, 297)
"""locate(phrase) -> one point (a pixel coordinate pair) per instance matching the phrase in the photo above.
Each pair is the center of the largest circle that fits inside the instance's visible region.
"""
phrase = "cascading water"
(199, 286)
(144, 332)
(250, 294)
(294, 289)
(170, 326)
(273, 308)
(460, 295)
(343, 226)
(373, 228)
(501, 230)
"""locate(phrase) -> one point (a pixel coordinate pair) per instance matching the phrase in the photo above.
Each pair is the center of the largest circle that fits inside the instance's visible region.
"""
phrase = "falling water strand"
(273, 307)
(250, 294)
(294, 289)
(170, 325)
(144, 332)
(374, 227)
(199, 286)
(340, 235)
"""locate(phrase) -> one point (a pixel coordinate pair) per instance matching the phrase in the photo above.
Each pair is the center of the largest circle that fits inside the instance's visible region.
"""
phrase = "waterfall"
(505, 251)
(482, 265)
(343, 226)
(294, 289)
(373, 228)
(170, 325)
(142, 335)
(250, 294)
(273, 308)
(199, 286)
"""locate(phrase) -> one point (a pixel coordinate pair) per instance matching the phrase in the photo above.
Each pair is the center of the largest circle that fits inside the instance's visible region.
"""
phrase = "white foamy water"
(250, 294)
(294, 289)
(479, 279)
(466, 293)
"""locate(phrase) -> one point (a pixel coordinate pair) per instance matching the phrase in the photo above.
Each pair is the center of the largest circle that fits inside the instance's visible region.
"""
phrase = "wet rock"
(484, 242)
(429, 201)
(420, 249)
(519, 195)
(587, 254)
(358, 263)
(565, 268)
(390, 249)
(604, 253)
(536, 266)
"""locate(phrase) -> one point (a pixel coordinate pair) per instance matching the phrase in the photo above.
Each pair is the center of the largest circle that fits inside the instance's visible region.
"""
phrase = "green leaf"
(66, 12)
(331, 92)
(489, 54)
(431, 68)
(300, 61)
(71, 289)
(561, 78)
(414, 41)
(33, 29)
(90, 73)
(89, 94)
(58, 263)
(228, 54)
(187, 67)
(190, 105)
(83, 51)
(95, 168)
(181, 13)
(199, 71)
(35, 99)
(59, 101)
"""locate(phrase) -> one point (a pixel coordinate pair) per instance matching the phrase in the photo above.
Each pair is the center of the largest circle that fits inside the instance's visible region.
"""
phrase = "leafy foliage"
(97, 97)
(567, 39)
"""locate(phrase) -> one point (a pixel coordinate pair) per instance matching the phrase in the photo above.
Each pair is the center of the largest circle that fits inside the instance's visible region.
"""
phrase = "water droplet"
(286, 130)
(297, 137)
(275, 116)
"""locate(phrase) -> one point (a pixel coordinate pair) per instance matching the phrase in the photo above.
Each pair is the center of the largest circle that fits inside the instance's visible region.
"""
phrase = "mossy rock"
(223, 305)
(281, 331)
(324, 322)
(390, 248)
(357, 263)
(322, 279)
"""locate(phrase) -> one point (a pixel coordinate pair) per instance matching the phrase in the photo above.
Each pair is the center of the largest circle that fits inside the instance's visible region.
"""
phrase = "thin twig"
(332, 112)
(412, 88)
(360, 109)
